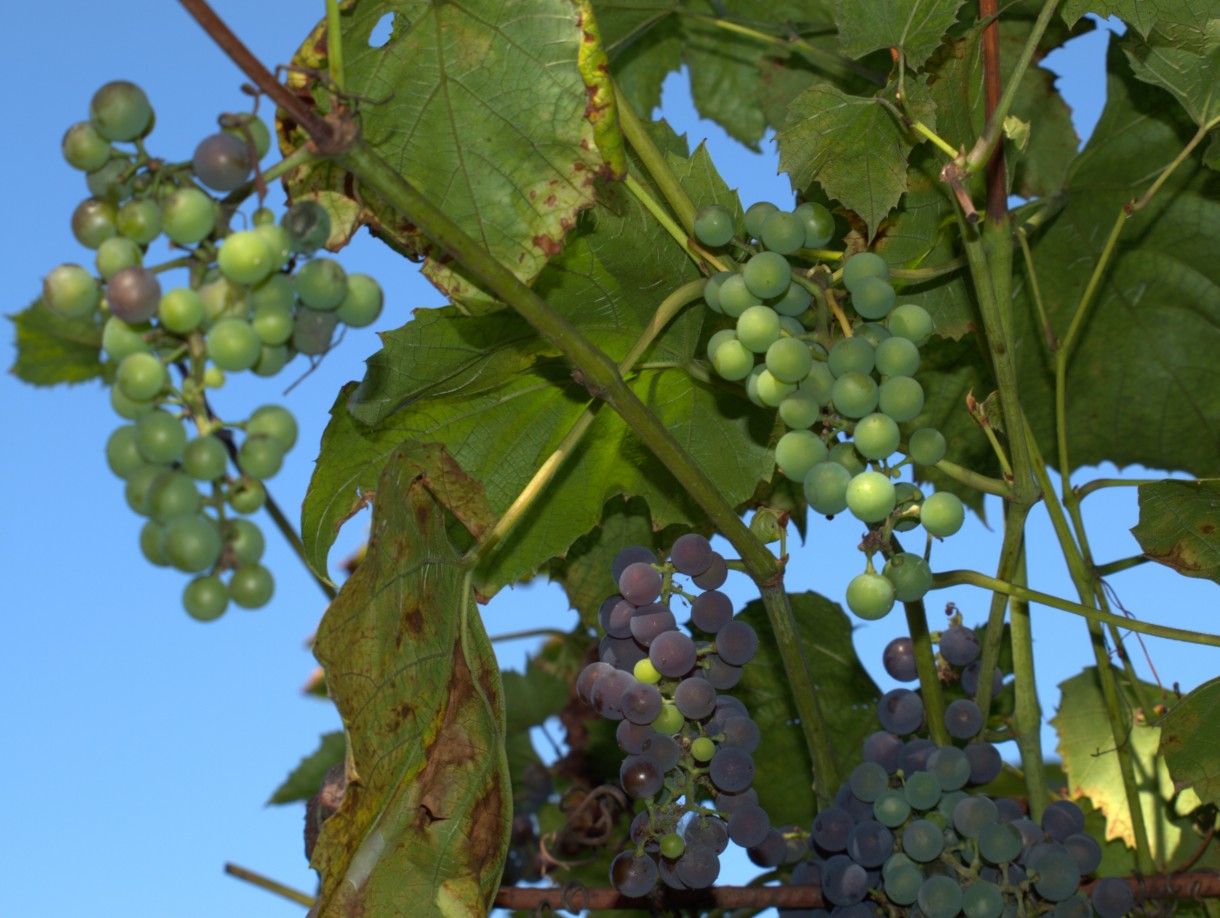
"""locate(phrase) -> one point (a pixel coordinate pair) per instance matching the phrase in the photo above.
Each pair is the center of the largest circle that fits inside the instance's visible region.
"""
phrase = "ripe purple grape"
(731, 769)
(959, 645)
(641, 776)
(691, 554)
(899, 660)
(672, 653)
(695, 698)
(736, 643)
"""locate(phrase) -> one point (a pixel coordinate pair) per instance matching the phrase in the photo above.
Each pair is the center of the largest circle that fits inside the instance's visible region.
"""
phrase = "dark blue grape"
(985, 765)
(743, 733)
(899, 659)
(963, 719)
(632, 554)
(640, 583)
(708, 831)
(970, 679)
(958, 645)
(1074, 906)
(844, 882)
(1000, 842)
(722, 675)
(736, 643)
(1085, 850)
(882, 748)
(641, 776)
(870, 843)
(923, 840)
(973, 814)
(728, 803)
(716, 574)
(950, 766)
(691, 554)
(711, 611)
(1112, 897)
(672, 653)
(620, 654)
(1062, 818)
(771, 852)
(633, 876)
(868, 780)
(695, 698)
(641, 703)
(650, 621)
(900, 711)
(831, 827)
(607, 693)
(1010, 810)
(748, 826)
(1057, 875)
(1031, 834)
(663, 749)
(615, 617)
(589, 675)
(731, 769)
(858, 808)
(631, 736)
(698, 867)
(914, 754)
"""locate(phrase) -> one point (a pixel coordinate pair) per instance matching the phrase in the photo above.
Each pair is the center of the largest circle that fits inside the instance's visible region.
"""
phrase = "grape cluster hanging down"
(688, 748)
(251, 300)
(908, 831)
(842, 390)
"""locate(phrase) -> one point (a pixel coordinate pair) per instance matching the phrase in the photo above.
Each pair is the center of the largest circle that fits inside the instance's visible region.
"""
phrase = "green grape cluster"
(913, 828)
(250, 299)
(845, 390)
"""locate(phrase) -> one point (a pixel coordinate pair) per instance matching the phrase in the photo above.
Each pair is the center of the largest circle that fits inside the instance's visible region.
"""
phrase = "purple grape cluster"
(908, 831)
(688, 748)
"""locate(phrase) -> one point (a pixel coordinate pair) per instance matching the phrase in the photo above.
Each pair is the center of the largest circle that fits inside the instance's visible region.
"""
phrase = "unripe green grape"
(205, 458)
(851, 355)
(819, 382)
(897, 357)
(872, 332)
(180, 310)
(982, 900)
(312, 331)
(854, 395)
(735, 297)
(151, 534)
(120, 339)
(223, 299)
(321, 283)
(870, 596)
(84, 148)
(112, 181)
(872, 298)
(907, 499)
(714, 225)
(362, 304)
(783, 232)
(133, 294)
(793, 302)
(719, 338)
(927, 446)
(751, 385)
(233, 345)
(160, 437)
(901, 398)
(274, 421)
(910, 575)
(213, 378)
(141, 376)
(126, 407)
(672, 845)
(732, 360)
(136, 485)
(942, 514)
(772, 391)
(767, 275)
(646, 671)
(844, 453)
(797, 452)
(171, 495)
(246, 258)
(826, 488)
(258, 132)
(120, 111)
(251, 586)
(819, 224)
(789, 360)
(276, 291)
(940, 897)
(711, 290)
(876, 436)
(278, 240)
(870, 496)
(669, 721)
(793, 329)
(247, 496)
(702, 749)
(260, 456)
(221, 162)
(116, 253)
(800, 410)
(272, 359)
(756, 215)
(911, 321)
(188, 216)
(140, 220)
(191, 543)
(758, 328)
(70, 291)
(205, 598)
(862, 265)
(309, 225)
(244, 541)
(122, 453)
(93, 222)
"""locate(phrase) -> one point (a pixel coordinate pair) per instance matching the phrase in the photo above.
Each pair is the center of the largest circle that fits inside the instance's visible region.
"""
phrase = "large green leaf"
(1190, 743)
(1143, 380)
(846, 692)
(1091, 764)
(482, 106)
(914, 27)
(1183, 58)
(1142, 14)
(306, 778)
(1179, 526)
(53, 350)
(502, 401)
(423, 828)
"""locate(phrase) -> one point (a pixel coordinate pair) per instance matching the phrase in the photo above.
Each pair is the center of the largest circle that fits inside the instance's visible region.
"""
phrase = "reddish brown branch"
(316, 127)
(997, 182)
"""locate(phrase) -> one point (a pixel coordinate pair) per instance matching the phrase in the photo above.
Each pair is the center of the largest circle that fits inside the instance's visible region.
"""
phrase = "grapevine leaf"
(851, 145)
(1179, 526)
(1143, 368)
(1141, 14)
(458, 89)
(844, 688)
(53, 350)
(1183, 58)
(423, 827)
(1190, 744)
(306, 778)
(531, 697)
(915, 27)
(1091, 765)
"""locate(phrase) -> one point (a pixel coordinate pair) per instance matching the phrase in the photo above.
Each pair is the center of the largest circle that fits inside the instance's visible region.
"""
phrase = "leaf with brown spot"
(1179, 526)
(423, 827)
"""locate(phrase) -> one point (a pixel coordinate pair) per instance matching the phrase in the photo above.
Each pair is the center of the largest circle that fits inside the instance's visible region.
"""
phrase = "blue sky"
(144, 745)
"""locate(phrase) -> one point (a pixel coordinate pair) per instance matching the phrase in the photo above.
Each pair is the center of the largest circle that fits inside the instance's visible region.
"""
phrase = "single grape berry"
(70, 291)
(942, 514)
(120, 111)
(308, 224)
(188, 216)
(133, 294)
(714, 225)
(362, 303)
(862, 265)
(870, 596)
(84, 147)
(222, 162)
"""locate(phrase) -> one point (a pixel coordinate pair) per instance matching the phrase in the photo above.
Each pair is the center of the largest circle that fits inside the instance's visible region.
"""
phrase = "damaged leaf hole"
(383, 31)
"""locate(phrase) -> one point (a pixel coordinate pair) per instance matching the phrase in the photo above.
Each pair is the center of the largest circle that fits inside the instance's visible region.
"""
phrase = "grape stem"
(973, 479)
(272, 886)
(667, 222)
(334, 45)
(1084, 490)
(1122, 564)
(654, 162)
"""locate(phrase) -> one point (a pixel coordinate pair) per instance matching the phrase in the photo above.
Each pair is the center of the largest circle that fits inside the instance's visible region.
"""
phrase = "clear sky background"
(142, 745)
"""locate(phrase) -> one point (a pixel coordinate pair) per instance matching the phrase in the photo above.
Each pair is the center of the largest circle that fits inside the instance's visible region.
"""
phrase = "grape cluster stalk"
(843, 394)
(252, 299)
